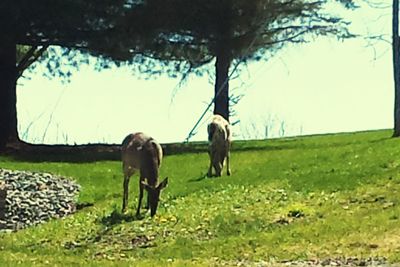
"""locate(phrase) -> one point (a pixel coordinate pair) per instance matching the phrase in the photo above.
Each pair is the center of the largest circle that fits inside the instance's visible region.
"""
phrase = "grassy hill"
(317, 197)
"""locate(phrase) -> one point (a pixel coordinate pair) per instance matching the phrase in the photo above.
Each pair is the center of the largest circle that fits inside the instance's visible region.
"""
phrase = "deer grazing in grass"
(220, 138)
(143, 153)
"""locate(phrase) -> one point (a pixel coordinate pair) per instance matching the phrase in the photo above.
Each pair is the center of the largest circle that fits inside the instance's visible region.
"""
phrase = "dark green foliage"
(178, 37)
(172, 35)
(71, 24)
(193, 32)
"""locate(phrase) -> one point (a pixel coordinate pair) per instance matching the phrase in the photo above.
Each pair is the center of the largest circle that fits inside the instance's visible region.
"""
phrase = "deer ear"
(163, 184)
(146, 186)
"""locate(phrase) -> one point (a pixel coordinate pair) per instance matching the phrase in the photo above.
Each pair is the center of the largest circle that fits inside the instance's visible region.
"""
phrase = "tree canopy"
(32, 26)
(176, 36)
(186, 35)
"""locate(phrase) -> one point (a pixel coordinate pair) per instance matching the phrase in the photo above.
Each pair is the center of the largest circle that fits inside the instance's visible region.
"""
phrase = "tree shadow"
(23, 151)
(380, 140)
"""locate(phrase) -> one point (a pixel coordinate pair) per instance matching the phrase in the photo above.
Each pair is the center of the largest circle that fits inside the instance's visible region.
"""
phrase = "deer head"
(154, 194)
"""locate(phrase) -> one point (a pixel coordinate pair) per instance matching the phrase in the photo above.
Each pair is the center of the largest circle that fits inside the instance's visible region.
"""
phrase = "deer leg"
(141, 188)
(209, 174)
(126, 191)
(148, 202)
(218, 163)
(218, 170)
(228, 165)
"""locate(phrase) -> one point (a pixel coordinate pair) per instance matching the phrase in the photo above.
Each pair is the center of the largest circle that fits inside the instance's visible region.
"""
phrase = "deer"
(142, 152)
(220, 138)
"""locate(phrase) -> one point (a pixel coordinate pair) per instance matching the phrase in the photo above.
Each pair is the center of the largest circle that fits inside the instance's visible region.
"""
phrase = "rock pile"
(32, 198)
(351, 261)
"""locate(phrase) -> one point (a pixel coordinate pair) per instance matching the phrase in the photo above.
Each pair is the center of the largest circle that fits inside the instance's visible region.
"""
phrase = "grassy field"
(312, 197)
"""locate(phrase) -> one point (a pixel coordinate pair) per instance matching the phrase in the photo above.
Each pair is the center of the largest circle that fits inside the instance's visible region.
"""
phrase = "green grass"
(294, 198)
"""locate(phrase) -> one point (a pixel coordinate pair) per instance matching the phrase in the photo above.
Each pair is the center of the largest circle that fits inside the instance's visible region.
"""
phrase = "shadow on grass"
(117, 217)
(94, 152)
(380, 140)
(82, 205)
(198, 179)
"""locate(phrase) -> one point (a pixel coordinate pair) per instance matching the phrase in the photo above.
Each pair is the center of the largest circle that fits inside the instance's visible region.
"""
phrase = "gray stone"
(33, 198)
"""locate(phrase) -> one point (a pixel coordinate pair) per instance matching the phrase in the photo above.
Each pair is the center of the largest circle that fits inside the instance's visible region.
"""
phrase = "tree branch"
(30, 57)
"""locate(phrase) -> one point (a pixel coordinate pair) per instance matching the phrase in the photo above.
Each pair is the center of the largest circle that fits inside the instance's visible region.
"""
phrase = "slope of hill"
(317, 199)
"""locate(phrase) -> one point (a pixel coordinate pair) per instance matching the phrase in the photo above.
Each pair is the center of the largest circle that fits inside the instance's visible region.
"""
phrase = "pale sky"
(325, 86)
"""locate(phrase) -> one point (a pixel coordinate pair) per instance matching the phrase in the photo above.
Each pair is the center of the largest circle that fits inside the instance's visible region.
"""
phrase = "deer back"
(141, 152)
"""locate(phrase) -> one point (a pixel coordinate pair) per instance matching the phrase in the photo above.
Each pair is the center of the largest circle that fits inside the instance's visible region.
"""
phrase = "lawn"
(316, 197)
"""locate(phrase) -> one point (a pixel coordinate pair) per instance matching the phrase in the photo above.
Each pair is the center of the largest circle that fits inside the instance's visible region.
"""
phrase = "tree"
(33, 26)
(22, 59)
(191, 34)
(17, 21)
(396, 66)
(27, 56)
(394, 42)
(8, 123)
(175, 36)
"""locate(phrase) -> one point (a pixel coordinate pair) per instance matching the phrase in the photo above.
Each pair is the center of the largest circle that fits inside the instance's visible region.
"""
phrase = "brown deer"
(220, 138)
(143, 153)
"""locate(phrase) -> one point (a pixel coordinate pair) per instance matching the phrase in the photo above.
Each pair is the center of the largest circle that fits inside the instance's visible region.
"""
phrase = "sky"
(325, 86)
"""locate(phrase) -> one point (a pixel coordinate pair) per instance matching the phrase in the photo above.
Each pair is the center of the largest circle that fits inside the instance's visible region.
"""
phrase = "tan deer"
(220, 138)
(143, 153)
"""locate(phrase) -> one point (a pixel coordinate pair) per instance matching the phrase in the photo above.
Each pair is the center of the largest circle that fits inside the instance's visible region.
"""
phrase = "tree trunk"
(8, 96)
(396, 67)
(221, 93)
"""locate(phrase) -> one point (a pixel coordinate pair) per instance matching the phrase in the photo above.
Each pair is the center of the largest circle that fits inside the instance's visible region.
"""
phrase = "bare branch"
(378, 4)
